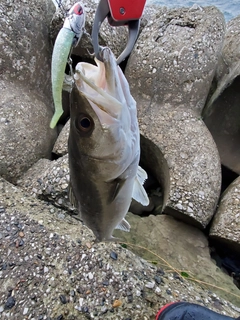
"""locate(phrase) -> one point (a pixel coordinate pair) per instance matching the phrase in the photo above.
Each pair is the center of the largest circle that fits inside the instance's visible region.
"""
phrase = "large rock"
(51, 268)
(175, 57)
(24, 129)
(226, 223)
(25, 52)
(179, 151)
(48, 180)
(170, 72)
(60, 147)
(26, 107)
(180, 247)
(222, 112)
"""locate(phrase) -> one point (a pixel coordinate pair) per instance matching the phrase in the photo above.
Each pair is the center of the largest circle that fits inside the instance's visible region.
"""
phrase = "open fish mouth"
(101, 84)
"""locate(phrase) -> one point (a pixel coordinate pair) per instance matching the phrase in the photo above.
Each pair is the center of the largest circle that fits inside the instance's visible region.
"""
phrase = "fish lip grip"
(119, 13)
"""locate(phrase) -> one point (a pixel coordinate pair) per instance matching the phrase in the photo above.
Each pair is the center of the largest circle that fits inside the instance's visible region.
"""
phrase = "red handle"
(126, 9)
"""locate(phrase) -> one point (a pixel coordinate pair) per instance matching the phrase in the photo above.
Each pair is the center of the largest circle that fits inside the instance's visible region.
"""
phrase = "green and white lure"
(67, 38)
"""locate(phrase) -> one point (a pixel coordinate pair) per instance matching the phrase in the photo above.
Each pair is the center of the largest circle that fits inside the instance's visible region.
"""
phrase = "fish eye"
(84, 123)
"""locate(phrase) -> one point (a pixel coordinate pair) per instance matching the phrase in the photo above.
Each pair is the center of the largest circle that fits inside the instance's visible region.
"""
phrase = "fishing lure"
(67, 38)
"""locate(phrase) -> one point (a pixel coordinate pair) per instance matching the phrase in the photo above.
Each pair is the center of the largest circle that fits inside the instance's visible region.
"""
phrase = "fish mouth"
(101, 85)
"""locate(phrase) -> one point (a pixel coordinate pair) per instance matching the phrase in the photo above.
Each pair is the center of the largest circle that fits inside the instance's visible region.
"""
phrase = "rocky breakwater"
(226, 223)
(180, 66)
(50, 266)
(51, 269)
(25, 102)
(222, 113)
(170, 72)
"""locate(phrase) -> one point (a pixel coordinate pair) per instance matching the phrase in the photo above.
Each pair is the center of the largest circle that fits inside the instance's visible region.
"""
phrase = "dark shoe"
(188, 311)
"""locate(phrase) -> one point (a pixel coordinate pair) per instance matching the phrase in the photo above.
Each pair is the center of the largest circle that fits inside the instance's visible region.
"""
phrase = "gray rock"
(61, 145)
(24, 129)
(178, 246)
(170, 72)
(25, 52)
(67, 249)
(166, 133)
(222, 112)
(26, 110)
(176, 55)
(226, 222)
(48, 180)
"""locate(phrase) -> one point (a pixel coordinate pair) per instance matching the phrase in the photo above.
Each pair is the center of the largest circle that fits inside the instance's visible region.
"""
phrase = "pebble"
(125, 277)
(25, 310)
(189, 210)
(90, 276)
(88, 245)
(45, 269)
(81, 302)
(4, 266)
(130, 298)
(114, 255)
(157, 290)
(63, 299)
(105, 283)
(117, 303)
(61, 216)
(179, 206)
(85, 309)
(169, 291)
(10, 303)
(104, 310)
(150, 285)
(158, 279)
(72, 293)
(138, 293)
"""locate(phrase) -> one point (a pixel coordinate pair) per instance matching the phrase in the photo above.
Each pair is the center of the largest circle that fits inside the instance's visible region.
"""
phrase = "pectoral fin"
(117, 185)
(123, 225)
(139, 193)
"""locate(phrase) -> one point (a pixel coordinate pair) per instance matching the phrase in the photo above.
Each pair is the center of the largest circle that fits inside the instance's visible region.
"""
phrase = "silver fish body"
(104, 147)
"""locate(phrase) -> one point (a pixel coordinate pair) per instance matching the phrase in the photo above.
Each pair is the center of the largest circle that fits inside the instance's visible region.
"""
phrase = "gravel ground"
(50, 268)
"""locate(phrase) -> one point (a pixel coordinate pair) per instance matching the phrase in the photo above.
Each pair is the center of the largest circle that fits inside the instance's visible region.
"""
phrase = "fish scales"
(104, 147)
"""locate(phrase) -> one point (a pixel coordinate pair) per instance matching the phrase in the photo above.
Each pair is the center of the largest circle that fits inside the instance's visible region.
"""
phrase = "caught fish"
(68, 37)
(104, 147)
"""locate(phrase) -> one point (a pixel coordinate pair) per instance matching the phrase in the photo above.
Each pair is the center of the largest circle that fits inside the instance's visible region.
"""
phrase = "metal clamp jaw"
(119, 13)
